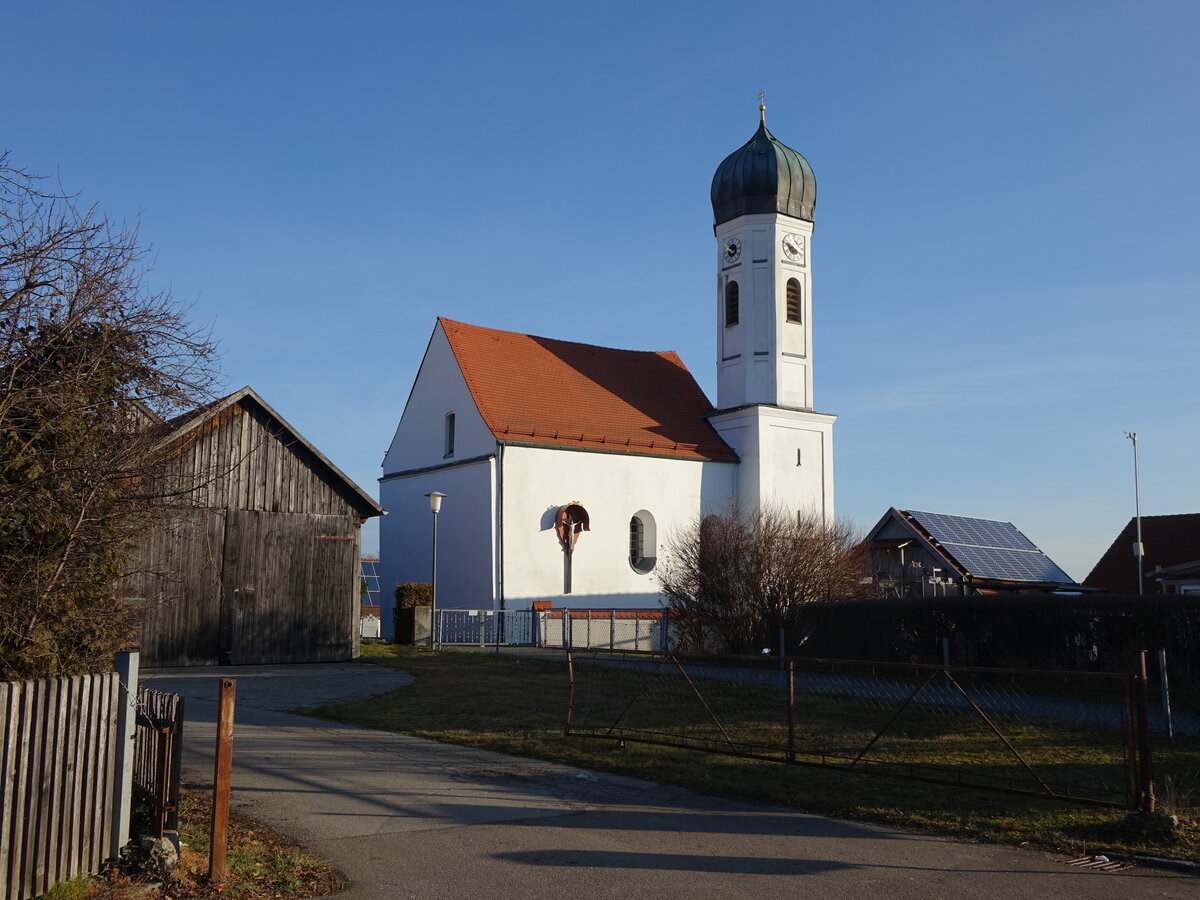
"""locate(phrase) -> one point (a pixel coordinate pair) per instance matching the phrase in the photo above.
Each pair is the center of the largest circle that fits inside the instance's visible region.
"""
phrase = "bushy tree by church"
(88, 358)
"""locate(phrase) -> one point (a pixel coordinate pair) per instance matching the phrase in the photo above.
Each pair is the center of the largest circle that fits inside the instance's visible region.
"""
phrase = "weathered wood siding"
(263, 568)
(241, 458)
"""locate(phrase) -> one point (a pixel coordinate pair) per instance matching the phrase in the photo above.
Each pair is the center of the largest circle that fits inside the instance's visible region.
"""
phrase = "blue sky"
(1005, 264)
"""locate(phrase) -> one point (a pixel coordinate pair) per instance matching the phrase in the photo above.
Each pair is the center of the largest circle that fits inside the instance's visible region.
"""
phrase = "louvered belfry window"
(731, 303)
(793, 301)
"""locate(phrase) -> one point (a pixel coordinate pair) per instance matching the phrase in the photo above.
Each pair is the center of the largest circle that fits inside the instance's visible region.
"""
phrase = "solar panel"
(987, 548)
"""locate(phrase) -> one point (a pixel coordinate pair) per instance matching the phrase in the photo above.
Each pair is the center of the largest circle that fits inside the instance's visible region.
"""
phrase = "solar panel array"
(990, 549)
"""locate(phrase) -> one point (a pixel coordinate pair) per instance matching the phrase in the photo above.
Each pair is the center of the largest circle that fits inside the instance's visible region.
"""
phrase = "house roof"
(552, 393)
(1166, 541)
(980, 550)
(181, 424)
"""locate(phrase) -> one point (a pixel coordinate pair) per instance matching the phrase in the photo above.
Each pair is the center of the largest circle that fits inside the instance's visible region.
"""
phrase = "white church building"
(567, 467)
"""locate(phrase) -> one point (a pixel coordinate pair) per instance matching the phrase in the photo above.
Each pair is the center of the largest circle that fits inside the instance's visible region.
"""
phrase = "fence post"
(791, 712)
(567, 629)
(1142, 698)
(612, 629)
(1166, 694)
(637, 630)
(127, 677)
(222, 767)
(664, 622)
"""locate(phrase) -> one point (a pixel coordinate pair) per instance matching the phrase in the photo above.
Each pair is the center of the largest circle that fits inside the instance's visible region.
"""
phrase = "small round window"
(643, 542)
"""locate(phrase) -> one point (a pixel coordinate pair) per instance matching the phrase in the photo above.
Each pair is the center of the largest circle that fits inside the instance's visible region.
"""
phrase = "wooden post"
(219, 833)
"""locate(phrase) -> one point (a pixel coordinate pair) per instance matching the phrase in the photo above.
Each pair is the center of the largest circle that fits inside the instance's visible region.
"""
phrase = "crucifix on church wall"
(569, 521)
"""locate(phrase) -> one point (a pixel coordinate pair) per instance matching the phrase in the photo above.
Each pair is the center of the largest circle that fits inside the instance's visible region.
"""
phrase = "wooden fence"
(157, 754)
(58, 751)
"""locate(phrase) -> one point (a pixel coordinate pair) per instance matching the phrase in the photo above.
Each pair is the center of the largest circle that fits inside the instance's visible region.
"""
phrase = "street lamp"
(1138, 550)
(435, 506)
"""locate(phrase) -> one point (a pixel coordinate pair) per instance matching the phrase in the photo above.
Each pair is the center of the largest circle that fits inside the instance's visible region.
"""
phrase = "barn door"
(336, 588)
(266, 583)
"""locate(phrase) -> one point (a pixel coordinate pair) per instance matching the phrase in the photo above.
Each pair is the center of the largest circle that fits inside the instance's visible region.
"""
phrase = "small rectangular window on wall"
(449, 434)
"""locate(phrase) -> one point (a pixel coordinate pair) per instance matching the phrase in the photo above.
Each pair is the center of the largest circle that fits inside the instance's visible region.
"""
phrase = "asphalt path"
(406, 817)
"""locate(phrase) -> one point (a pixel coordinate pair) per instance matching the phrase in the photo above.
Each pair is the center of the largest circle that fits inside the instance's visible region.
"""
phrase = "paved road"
(405, 817)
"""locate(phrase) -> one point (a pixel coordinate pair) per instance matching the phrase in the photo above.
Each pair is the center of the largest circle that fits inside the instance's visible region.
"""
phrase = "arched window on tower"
(643, 540)
(731, 303)
(794, 304)
(449, 434)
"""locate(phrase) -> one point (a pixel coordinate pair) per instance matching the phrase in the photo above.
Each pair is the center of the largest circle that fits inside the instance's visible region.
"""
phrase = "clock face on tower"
(793, 247)
(732, 250)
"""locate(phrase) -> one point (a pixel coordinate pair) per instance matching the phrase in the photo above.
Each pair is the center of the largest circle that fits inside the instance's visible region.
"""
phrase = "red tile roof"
(537, 390)
(1166, 540)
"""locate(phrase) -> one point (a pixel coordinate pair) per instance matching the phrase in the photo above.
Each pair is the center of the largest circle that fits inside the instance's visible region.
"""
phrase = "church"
(567, 467)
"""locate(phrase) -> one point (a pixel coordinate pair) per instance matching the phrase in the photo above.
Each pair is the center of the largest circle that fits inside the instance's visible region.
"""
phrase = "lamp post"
(1138, 549)
(435, 506)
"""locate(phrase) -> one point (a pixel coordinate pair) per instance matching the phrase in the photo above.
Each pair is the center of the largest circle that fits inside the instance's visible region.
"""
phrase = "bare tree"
(91, 364)
(732, 582)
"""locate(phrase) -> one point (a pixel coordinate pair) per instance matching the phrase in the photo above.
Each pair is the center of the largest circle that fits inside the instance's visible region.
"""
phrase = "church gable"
(440, 424)
(551, 393)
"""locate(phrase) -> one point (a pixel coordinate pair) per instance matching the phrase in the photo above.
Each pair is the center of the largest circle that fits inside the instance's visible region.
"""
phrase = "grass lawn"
(517, 705)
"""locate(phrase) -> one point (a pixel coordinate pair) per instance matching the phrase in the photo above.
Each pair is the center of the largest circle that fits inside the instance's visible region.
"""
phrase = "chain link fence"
(1076, 736)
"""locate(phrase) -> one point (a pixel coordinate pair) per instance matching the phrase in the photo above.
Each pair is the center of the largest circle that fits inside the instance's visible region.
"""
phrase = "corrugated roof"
(1166, 540)
(555, 393)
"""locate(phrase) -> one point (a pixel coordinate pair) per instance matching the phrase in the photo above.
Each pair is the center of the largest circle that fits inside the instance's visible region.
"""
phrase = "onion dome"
(763, 176)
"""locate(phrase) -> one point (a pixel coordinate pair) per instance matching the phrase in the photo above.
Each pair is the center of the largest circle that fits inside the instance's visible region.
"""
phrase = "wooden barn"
(259, 563)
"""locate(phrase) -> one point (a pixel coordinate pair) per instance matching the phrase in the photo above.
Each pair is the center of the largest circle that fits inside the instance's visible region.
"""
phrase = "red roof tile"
(552, 393)
(1166, 540)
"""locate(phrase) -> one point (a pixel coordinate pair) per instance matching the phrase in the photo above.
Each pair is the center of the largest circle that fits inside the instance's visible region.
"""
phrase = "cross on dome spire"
(762, 107)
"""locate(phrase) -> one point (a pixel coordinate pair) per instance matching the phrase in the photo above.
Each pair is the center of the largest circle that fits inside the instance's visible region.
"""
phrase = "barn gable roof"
(182, 424)
(552, 393)
(1168, 541)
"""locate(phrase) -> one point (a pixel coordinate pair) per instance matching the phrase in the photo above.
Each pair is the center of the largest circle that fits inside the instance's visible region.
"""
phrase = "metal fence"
(157, 756)
(608, 629)
(58, 751)
(1075, 736)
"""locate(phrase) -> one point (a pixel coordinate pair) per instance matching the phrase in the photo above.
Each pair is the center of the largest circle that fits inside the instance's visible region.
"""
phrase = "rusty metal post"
(219, 832)
(1142, 698)
(791, 712)
(570, 690)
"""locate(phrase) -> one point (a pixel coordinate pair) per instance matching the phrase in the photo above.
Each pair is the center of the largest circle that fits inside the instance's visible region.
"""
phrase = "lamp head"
(435, 501)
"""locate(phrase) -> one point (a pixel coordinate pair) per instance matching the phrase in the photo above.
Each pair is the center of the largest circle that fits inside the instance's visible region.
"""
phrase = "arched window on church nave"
(643, 541)
(794, 305)
(449, 434)
(731, 303)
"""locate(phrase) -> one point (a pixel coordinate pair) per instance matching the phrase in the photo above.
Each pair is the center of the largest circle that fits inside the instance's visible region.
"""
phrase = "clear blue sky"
(1005, 263)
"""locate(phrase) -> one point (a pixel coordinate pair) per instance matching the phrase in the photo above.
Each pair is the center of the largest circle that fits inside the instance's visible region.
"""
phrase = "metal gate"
(1075, 736)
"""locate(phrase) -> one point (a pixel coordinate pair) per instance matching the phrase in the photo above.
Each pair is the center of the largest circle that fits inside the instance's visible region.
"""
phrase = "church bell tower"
(763, 198)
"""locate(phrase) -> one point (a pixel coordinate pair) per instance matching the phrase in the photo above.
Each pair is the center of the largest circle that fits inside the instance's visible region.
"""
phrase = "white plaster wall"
(612, 487)
(466, 536)
(767, 439)
(764, 358)
(439, 388)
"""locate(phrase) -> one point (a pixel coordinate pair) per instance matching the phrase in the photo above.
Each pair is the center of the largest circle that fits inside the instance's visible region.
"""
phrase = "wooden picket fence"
(58, 751)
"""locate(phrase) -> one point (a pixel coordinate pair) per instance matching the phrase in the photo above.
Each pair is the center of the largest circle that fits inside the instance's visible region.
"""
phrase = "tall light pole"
(435, 507)
(1138, 550)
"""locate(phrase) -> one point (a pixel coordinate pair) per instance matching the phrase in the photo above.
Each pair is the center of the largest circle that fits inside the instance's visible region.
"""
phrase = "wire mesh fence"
(1064, 735)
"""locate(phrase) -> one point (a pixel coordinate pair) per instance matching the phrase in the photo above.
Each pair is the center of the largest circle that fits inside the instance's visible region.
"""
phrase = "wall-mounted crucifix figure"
(569, 521)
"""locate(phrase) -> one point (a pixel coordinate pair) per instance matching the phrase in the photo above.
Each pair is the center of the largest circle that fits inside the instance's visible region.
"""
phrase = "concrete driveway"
(406, 817)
